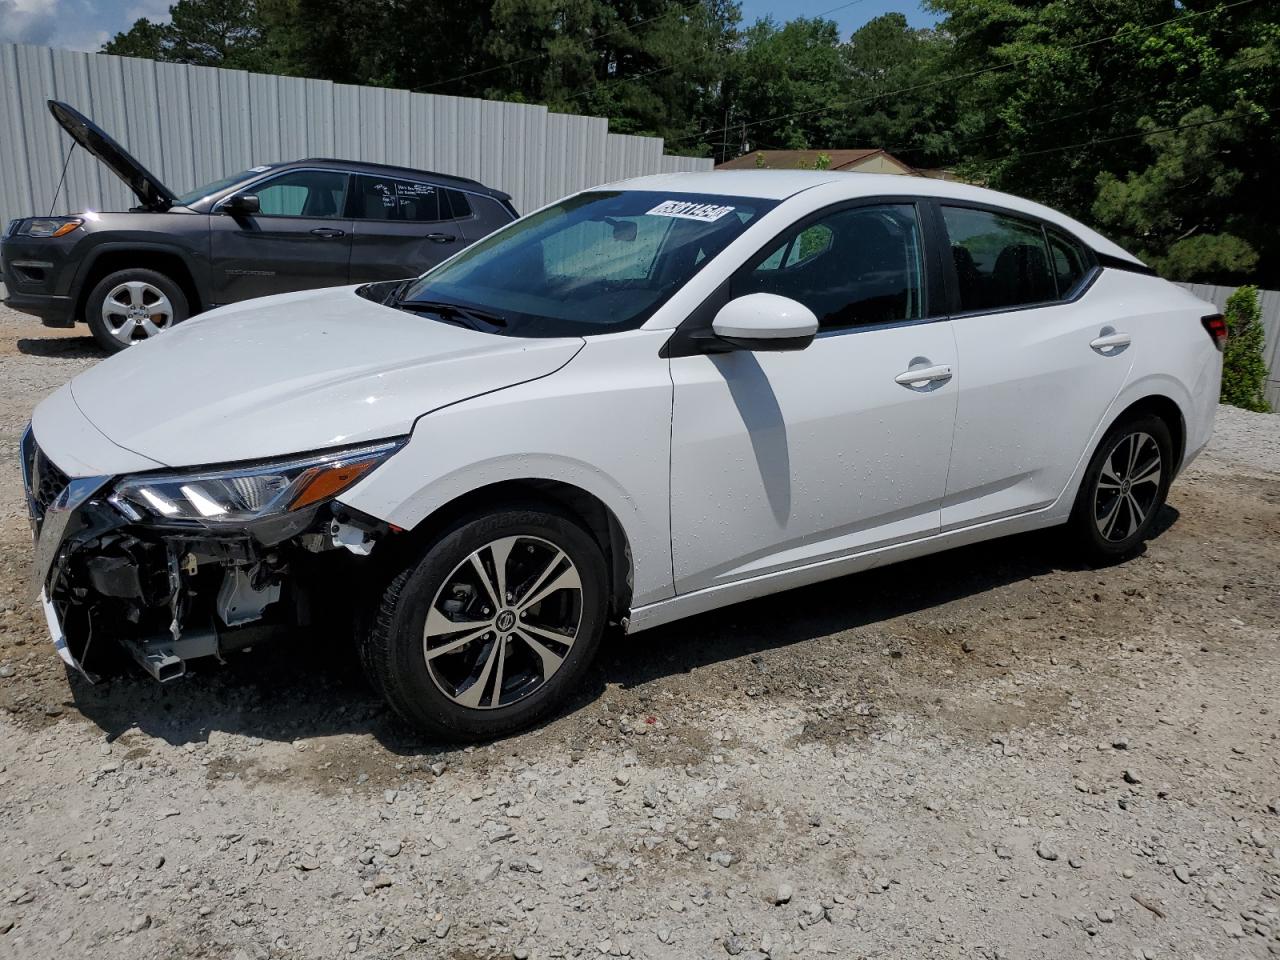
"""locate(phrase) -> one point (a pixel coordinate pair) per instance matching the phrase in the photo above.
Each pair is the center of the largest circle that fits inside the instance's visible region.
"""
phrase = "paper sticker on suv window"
(685, 210)
(262, 169)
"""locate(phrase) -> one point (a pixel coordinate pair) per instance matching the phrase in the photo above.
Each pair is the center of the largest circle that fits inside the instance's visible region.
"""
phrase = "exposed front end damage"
(171, 591)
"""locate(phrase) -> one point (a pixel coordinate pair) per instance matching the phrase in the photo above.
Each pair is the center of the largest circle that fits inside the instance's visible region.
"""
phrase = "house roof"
(805, 159)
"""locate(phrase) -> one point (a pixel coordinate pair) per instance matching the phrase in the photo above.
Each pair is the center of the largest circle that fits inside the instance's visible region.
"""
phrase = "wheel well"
(170, 264)
(1166, 410)
(586, 508)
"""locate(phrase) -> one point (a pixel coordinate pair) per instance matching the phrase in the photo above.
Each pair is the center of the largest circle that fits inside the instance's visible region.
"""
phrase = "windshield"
(593, 263)
(208, 189)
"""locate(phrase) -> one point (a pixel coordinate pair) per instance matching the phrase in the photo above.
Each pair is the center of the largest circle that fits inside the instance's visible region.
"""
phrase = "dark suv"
(270, 229)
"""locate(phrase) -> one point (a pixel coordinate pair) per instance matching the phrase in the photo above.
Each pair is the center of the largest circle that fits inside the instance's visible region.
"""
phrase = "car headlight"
(52, 226)
(250, 491)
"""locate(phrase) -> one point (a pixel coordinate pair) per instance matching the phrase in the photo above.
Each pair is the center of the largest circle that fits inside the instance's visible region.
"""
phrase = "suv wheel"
(129, 306)
(1123, 489)
(493, 627)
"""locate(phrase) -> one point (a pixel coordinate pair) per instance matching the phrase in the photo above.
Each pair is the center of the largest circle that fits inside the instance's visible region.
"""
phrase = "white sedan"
(642, 402)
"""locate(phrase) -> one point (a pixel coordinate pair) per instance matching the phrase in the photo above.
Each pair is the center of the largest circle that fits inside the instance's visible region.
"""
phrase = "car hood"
(151, 193)
(294, 373)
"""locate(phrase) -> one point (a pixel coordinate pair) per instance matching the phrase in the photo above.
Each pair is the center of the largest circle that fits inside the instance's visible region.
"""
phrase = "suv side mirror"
(241, 204)
(765, 321)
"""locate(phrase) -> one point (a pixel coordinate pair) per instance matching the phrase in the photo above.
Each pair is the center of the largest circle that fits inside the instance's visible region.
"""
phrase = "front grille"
(44, 480)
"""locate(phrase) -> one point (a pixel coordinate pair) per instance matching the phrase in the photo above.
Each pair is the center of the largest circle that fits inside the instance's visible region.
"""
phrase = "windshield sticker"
(262, 169)
(684, 210)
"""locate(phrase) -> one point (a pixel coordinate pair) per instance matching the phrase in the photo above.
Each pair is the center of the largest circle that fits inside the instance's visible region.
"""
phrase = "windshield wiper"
(470, 317)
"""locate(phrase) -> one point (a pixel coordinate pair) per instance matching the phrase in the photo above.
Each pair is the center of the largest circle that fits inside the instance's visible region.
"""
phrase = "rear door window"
(1000, 261)
(394, 198)
(303, 193)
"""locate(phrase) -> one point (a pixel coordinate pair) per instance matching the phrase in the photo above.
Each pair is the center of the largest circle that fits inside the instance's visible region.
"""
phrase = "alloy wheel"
(503, 622)
(1128, 486)
(135, 311)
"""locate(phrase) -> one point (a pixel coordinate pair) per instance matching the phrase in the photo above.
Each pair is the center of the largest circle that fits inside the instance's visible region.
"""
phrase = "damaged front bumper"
(169, 593)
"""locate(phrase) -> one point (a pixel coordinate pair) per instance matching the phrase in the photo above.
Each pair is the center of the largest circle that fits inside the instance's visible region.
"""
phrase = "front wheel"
(1123, 489)
(129, 306)
(493, 627)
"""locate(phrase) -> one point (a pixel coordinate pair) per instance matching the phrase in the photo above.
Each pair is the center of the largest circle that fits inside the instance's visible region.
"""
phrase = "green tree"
(781, 87)
(1244, 371)
(660, 70)
(892, 101)
(209, 33)
(1149, 117)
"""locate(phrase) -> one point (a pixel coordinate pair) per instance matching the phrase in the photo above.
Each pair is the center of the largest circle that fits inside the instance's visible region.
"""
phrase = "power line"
(591, 41)
(640, 76)
(959, 76)
(1106, 105)
(1130, 136)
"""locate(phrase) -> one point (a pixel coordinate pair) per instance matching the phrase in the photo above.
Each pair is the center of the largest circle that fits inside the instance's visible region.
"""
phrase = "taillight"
(1216, 325)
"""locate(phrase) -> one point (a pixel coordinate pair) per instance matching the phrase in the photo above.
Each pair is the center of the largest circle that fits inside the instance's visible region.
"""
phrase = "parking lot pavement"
(987, 753)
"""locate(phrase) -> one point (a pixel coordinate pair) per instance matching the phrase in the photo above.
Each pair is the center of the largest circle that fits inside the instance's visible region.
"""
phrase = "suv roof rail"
(461, 181)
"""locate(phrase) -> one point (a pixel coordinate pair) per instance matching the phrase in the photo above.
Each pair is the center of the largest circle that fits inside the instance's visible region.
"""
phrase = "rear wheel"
(493, 627)
(129, 306)
(1123, 489)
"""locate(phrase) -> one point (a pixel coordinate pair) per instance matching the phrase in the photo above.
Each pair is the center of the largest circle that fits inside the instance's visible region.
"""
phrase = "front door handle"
(328, 233)
(441, 237)
(923, 376)
(1110, 341)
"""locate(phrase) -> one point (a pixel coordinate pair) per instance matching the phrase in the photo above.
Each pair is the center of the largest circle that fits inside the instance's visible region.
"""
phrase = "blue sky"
(86, 24)
(850, 16)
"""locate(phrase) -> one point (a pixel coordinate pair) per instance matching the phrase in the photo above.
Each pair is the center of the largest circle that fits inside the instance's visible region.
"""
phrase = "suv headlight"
(52, 226)
(249, 491)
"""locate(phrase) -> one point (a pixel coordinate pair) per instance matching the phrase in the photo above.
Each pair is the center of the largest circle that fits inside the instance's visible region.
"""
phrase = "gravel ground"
(984, 754)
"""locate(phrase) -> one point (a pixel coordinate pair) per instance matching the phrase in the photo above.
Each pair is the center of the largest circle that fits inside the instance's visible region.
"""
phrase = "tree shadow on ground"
(312, 686)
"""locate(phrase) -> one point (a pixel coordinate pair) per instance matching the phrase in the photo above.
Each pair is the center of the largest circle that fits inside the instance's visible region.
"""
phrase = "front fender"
(601, 424)
(194, 257)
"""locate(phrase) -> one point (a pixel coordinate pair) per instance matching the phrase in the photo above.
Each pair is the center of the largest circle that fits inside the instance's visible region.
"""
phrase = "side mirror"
(765, 321)
(241, 204)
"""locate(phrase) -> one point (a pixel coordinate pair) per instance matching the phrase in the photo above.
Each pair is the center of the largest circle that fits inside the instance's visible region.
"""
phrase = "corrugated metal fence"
(191, 125)
(1269, 301)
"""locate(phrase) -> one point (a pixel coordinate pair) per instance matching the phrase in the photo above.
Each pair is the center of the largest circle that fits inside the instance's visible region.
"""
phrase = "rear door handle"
(441, 237)
(923, 376)
(328, 233)
(1110, 341)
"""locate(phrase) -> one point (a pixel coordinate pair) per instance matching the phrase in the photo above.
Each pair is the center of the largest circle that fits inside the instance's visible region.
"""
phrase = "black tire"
(394, 648)
(178, 311)
(1102, 535)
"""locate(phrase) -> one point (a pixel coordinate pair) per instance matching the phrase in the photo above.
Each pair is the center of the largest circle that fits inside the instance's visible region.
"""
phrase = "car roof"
(783, 184)
(363, 166)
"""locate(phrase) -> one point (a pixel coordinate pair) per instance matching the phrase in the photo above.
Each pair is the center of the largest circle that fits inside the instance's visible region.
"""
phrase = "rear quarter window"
(1071, 263)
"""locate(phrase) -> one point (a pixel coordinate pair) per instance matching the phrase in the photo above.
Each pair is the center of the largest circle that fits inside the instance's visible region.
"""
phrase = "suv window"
(1000, 260)
(392, 198)
(854, 267)
(304, 193)
(1070, 263)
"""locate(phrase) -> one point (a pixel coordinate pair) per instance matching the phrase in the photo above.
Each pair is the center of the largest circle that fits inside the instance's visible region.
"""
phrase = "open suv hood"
(294, 373)
(152, 194)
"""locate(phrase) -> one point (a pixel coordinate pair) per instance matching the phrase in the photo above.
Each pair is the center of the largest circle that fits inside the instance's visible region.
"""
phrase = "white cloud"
(28, 21)
(156, 10)
(74, 24)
